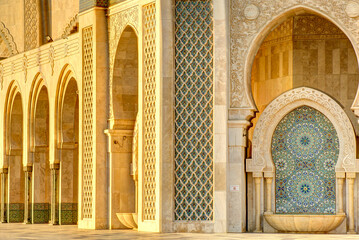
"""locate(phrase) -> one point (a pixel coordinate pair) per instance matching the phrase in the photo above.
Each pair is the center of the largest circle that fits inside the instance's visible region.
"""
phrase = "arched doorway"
(39, 147)
(123, 170)
(68, 131)
(15, 189)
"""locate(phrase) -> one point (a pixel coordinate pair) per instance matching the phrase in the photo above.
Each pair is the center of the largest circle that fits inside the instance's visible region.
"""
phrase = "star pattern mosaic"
(305, 149)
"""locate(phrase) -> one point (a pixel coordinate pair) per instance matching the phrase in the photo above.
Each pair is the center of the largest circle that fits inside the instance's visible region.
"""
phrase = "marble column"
(350, 179)
(257, 181)
(4, 176)
(340, 181)
(269, 179)
(237, 131)
(54, 193)
(27, 214)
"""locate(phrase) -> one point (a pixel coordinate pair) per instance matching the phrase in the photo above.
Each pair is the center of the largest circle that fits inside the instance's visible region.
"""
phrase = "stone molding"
(285, 103)
(46, 54)
(70, 26)
(247, 34)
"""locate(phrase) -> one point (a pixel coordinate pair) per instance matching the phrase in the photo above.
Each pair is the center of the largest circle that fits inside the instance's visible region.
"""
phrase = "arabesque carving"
(246, 34)
(8, 39)
(285, 103)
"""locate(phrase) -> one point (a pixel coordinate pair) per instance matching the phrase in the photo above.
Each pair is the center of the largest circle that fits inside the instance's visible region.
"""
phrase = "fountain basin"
(129, 220)
(304, 223)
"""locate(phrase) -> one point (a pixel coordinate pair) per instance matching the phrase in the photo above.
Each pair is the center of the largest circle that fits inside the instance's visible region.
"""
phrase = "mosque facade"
(180, 115)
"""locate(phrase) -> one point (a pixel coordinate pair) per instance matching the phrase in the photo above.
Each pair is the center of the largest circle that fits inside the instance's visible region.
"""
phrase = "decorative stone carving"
(1, 76)
(24, 66)
(251, 12)
(71, 27)
(8, 39)
(52, 59)
(117, 23)
(31, 24)
(352, 9)
(278, 108)
(246, 36)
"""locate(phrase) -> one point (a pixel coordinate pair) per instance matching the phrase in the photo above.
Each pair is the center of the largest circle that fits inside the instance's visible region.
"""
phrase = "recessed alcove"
(310, 53)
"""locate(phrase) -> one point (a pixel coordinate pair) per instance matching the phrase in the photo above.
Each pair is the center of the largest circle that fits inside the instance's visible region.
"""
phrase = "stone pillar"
(350, 178)
(269, 178)
(94, 200)
(27, 194)
(237, 175)
(340, 181)
(4, 176)
(54, 193)
(257, 181)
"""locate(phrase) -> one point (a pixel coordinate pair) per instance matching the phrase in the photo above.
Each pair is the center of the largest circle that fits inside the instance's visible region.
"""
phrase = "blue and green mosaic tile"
(305, 149)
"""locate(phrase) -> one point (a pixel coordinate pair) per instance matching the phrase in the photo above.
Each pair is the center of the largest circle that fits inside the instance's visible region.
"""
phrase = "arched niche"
(125, 80)
(39, 151)
(13, 154)
(123, 114)
(262, 163)
(67, 137)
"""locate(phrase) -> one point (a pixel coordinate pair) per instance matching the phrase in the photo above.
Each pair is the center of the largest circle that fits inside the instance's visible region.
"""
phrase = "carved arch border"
(285, 103)
(36, 87)
(117, 24)
(12, 91)
(8, 39)
(67, 74)
(252, 20)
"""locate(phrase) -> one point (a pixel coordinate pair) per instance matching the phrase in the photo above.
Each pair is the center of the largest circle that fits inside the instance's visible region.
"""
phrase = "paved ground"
(42, 231)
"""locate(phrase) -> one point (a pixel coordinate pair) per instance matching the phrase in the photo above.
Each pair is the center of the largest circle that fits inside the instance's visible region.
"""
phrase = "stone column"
(350, 179)
(237, 175)
(54, 193)
(27, 194)
(257, 181)
(340, 181)
(4, 175)
(269, 178)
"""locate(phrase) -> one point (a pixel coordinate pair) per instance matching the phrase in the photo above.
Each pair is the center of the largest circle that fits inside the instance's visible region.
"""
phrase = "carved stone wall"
(88, 131)
(250, 20)
(31, 24)
(149, 112)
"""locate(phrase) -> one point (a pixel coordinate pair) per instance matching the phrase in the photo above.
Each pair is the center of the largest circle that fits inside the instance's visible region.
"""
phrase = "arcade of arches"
(181, 115)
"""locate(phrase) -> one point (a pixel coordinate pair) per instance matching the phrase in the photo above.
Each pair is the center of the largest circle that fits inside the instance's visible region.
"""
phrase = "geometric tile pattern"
(305, 149)
(16, 212)
(87, 84)
(193, 110)
(41, 212)
(149, 111)
(68, 213)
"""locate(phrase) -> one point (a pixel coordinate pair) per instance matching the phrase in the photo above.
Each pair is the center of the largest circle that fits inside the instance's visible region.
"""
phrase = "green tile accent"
(68, 213)
(305, 150)
(87, 4)
(40, 212)
(16, 212)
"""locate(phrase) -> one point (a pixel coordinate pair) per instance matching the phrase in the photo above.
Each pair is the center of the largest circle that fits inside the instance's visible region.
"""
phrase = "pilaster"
(94, 179)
